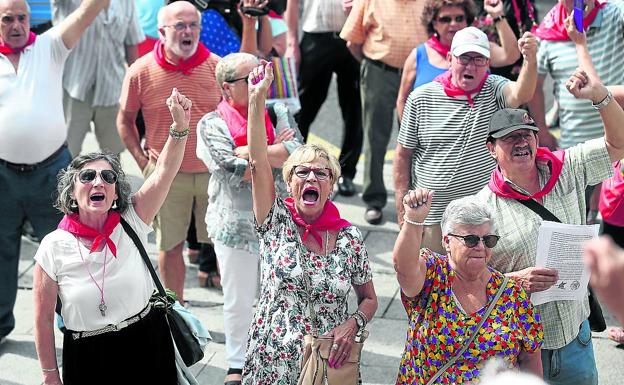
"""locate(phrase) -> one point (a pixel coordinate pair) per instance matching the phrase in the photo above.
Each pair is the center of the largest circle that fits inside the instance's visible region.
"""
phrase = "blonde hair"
(310, 153)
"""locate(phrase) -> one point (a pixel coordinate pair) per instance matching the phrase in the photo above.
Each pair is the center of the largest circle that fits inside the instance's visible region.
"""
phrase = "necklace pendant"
(102, 308)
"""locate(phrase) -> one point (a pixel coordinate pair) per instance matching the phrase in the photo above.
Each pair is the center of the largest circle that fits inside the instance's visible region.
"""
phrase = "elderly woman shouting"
(99, 275)
(461, 312)
(229, 218)
(310, 256)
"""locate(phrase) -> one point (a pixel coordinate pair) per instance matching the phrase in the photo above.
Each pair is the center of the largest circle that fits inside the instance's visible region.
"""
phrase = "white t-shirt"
(127, 282)
(32, 122)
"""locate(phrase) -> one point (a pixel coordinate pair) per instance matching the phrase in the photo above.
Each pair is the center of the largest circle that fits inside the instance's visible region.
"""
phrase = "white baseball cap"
(470, 39)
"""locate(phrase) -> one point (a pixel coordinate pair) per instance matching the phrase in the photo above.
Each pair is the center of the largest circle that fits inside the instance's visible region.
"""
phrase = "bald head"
(168, 14)
(14, 22)
(9, 3)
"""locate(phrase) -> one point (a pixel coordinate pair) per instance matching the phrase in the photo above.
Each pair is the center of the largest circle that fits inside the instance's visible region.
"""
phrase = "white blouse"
(127, 284)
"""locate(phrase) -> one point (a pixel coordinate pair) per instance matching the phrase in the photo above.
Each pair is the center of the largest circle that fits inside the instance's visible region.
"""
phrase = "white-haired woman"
(446, 297)
(222, 145)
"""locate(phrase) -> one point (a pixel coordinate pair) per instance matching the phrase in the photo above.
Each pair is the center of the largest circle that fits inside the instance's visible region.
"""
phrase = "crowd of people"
(228, 176)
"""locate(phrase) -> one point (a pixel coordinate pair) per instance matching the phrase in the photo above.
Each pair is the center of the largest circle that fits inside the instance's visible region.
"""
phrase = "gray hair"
(14, 1)
(227, 66)
(67, 180)
(162, 12)
(467, 211)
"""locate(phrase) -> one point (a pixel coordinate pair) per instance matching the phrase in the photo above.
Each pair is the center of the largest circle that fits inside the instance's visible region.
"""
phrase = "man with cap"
(555, 182)
(444, 126)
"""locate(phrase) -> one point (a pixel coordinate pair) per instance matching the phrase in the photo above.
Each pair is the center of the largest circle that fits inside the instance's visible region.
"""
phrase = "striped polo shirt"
(447, 138)
(579, 121)
(147, 86)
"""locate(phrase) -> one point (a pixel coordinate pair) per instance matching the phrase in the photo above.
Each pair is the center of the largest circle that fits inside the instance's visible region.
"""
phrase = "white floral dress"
(282, 318)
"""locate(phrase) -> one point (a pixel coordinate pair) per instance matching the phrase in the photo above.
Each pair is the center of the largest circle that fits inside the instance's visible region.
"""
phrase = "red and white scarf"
(71, 223)
(7, 49)
(185, 66)
(453, 91)
(328, 221)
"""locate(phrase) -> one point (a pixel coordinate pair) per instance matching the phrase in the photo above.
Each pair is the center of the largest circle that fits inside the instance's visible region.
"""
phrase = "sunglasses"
(320, 173)
(88, 175)
(472, 240)
(245, 79)
(448, 19)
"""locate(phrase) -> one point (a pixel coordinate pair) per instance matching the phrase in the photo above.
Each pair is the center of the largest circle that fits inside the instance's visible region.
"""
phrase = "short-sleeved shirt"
(584, 165)
(387, 29)
(147, 86)
(578, 120)
(282, 318)
(229, 217)
(448, 138)
(76, 271)
(98, 61)
(438, 327)
(32, 122)
(323, 16)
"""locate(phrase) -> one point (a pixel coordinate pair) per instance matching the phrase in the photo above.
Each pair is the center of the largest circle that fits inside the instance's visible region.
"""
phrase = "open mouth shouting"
(310, 195)
(97, 197)
(187, 42)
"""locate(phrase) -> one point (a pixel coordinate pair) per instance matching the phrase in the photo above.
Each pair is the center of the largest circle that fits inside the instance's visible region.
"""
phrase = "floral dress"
(438, 327)
(282, 318)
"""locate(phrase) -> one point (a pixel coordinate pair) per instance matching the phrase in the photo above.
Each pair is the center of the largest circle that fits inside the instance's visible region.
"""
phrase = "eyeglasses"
(245, 79)
(180, 26)
(448, 19)
(472, 240)
(88, 175)
(515, 138)
(479, 61)
(320, 173)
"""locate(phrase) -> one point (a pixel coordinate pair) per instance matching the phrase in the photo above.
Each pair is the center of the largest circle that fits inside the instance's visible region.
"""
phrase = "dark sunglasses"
(472, 240)
(448, 19)
(245, 79)
(88, 175)
(320, 173)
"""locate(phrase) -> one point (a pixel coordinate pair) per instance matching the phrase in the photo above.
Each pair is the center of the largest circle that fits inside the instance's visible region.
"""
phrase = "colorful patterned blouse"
(438, 327)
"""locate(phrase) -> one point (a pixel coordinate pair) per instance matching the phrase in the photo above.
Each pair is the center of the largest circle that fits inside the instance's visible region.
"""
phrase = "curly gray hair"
(67, 180)
(467, 211)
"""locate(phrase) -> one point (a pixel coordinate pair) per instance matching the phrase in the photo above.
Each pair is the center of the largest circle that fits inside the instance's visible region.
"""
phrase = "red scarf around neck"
(328, 221)
(184, 66)
(237, 124)
(501, 188)
(553, 25)
(7, 50)
(71, 223)
(435, 44)
(453, 91)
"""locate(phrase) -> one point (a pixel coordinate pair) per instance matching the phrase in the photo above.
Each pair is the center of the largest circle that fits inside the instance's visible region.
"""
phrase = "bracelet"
(499, 18)
(364, 317)
(177, 135)
(602, 104)
(411, 222)
(49, 370)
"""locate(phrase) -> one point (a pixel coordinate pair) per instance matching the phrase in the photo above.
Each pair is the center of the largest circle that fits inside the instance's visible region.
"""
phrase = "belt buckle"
(122, 325)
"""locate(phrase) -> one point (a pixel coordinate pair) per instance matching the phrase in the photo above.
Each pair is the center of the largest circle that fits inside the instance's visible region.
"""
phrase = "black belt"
(32, 167)
(335, 35)
(383, 66)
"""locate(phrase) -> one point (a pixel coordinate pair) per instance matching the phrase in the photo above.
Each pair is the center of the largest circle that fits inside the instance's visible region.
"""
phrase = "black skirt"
(141, 353)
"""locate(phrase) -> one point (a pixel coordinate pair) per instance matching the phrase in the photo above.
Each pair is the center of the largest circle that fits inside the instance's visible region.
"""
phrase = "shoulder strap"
(539, 210)
(467, 343)
(139, 245)
(272, 114)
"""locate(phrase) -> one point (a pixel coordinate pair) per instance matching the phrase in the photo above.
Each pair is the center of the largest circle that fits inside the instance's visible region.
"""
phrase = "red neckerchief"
(553, 25)
(437, 46)
(7, 50)
(275, 15)
(501, 188)
(328, 221)
(185, 66)
(452, 90)
(72, 224)
(237, 124)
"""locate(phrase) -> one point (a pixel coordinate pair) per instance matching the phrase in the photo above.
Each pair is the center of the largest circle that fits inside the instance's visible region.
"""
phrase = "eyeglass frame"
(449, 19)
(482, 239)
(472, 59)
(245, 78)
(330, 174)
(192, 26)
(101, 173)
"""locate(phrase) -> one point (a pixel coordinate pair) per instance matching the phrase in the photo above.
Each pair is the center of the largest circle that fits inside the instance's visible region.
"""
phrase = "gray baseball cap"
(509, 120)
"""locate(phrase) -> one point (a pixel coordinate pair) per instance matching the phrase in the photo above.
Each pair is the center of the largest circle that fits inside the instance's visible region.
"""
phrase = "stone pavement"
(18, 359)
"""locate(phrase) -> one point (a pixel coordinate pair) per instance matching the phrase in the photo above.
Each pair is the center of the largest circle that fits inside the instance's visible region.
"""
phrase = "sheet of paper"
(560, 247)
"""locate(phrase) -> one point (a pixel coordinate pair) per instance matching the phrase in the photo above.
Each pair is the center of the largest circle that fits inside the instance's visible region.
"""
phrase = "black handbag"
(185, 340)
(596, 319)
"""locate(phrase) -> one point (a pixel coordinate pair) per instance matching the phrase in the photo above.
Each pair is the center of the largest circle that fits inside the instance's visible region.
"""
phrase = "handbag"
(596, 319)
(315, 369)
(189, 335)
(284, 86)
(467, 342)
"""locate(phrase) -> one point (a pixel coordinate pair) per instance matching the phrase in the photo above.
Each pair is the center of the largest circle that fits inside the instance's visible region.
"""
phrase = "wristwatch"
(604, 102)
(360, 320)
(499, 18)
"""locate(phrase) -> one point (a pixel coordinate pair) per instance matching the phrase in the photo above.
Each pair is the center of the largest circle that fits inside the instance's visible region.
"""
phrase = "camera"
(277, 6)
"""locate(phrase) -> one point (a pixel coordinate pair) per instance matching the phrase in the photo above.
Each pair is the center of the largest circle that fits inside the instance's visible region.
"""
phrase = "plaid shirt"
(584, 165)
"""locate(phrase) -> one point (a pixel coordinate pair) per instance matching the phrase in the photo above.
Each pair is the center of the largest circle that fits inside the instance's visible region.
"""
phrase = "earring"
(73, 205)
(114, 206)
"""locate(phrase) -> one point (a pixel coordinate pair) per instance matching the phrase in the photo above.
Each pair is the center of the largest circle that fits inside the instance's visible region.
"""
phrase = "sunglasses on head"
(88, 175)
(448, 19)
(320, 173)
(472, 240)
